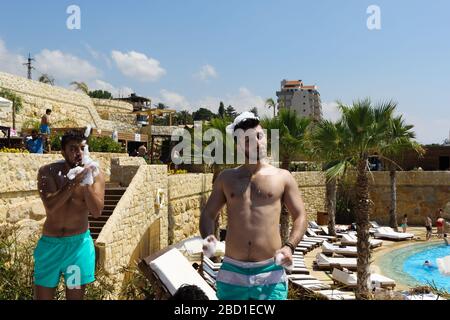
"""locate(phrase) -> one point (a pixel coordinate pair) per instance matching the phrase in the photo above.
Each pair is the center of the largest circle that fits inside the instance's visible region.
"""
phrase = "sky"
(196, 53)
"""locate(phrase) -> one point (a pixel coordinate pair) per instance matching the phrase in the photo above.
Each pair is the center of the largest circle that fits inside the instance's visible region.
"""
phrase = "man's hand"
(209, 246)
(80, 177)
(286, 254)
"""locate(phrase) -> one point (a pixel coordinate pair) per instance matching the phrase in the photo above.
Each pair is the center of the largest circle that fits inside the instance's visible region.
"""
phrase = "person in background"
(429, 226)
(44, 128)
(404, 224)
(440, 224)
(35, 143)
(446, 239)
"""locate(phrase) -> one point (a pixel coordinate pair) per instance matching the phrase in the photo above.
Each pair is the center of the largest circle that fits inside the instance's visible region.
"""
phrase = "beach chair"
(349, 279)
(307, 282)
(170, 269)
(339, 232)
(311, 239)
(329, 248)
(350, 239)
(311, 233)
(328, 263)
(389, 233)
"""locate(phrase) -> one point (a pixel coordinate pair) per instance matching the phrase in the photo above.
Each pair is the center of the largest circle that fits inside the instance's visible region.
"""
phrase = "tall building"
(304, 100)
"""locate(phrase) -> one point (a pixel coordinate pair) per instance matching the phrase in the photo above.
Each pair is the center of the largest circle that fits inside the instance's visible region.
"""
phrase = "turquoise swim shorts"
(263, 280)
(73, 257)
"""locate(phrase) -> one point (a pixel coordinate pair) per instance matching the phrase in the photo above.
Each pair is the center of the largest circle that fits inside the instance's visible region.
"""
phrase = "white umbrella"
(5, 106)
(4, 103)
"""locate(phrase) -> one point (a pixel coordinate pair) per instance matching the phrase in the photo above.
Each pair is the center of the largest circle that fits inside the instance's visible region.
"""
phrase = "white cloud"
(330, 111)
(65, 66)
(11, 62)
(98, 55)
(207, 71)
(174, 100)
(137, 65)
(243, 100)
(116, 92)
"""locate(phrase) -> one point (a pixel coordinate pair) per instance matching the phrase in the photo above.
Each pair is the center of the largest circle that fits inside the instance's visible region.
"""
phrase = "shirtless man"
(66, 246)
(254, 194)
(45, 122)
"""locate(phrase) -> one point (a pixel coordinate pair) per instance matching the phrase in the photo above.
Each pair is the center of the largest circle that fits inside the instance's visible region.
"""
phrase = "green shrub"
(55, 142)
(31, 124)
(104, 144)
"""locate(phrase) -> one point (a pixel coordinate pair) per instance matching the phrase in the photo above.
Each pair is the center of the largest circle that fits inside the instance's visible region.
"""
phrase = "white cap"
(243, 116)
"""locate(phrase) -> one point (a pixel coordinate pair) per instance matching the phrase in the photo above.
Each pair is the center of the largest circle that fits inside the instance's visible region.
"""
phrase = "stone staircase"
(113, 194)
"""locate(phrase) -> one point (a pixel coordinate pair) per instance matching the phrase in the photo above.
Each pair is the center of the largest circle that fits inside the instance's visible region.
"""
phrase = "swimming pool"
(406, 265)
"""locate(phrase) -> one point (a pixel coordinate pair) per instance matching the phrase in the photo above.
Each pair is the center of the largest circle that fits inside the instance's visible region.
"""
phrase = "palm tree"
(47, 79)
(327, 144)
(399, 139)
(270, 103)
(365, 129)
(81, 86)
(292, 132)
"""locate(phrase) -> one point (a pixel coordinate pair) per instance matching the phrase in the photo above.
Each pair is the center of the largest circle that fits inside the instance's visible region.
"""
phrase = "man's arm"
(53, 198)
(212, 208)
(294, 203)
(95, 196)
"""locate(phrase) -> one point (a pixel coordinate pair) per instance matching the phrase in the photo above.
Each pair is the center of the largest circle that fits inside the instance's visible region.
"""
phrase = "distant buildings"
(304, 100)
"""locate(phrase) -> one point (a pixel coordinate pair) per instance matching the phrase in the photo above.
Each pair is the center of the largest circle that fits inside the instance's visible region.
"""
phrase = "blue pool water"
(413, 266)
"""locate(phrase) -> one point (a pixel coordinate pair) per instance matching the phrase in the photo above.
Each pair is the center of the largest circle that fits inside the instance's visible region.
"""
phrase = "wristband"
(290, 245)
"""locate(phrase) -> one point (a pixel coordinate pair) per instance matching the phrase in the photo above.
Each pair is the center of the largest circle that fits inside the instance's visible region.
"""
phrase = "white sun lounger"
(174, 270)
(324, 262)
(351, 240)
(311, 233)
(389, 233)
(444, 265)
(350, 279)
(345, 251)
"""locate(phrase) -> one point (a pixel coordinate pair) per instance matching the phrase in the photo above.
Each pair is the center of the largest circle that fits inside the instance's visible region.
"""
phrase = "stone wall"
(67, 105)
(418, 193)
(313, 191)
(19, 197)
(118, 112)
(188, 194)
(134, 214)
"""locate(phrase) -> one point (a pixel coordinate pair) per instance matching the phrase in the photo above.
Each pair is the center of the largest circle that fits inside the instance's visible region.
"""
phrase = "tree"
(231, 113)
(365, 129)
(254, 110)
(161, 106)
(326, 144)
(100, 94)
(399, 139)
(221, 112)
(17, 103)
(45, 78)
(270, 103)
(80, 86)
(203, 114)
(292, 132)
